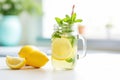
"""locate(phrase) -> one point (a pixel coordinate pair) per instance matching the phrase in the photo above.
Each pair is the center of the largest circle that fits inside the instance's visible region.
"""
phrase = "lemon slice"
(61, 48)
(15, 62)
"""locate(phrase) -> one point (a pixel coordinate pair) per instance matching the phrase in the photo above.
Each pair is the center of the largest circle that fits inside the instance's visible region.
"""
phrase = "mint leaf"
(70, 60)
(66, 19)
(58, 20)
(72, 40)
(78, 20)
(67, 16)
(73, 17)
(56, 35)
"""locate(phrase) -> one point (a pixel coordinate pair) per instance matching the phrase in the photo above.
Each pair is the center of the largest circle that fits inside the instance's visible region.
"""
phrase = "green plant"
(16, 7)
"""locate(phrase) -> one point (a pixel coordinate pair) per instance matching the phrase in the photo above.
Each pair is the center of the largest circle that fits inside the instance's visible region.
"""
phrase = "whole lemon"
(34, 57)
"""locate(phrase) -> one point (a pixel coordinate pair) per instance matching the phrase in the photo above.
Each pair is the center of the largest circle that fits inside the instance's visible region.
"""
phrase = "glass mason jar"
(64, 47)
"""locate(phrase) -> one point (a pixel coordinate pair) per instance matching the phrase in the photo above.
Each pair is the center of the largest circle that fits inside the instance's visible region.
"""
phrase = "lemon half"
(61, 48)
(15, 62)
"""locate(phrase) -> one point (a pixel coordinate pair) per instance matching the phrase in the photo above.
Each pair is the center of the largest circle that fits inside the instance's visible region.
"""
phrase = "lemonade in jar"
(64, 43)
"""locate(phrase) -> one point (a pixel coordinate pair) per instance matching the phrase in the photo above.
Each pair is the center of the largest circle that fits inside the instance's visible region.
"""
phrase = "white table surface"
(95, 66)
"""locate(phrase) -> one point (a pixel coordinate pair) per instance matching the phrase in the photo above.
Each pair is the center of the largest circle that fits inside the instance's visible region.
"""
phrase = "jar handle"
(84, 42)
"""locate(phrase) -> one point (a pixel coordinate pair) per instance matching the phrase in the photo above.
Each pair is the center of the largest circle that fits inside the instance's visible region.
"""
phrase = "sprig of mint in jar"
(64, 25)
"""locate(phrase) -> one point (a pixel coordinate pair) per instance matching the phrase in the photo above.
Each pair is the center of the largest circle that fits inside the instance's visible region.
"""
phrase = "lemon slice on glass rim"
(61, 48)
(15, 62)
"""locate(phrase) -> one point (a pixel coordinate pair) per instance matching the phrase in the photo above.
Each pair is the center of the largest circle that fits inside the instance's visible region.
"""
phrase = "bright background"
(96, 15)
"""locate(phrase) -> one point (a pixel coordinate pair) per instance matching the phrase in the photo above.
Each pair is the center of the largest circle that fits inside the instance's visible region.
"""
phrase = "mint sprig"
(68, 20)
(65, 26)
